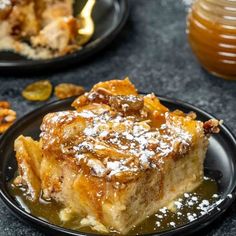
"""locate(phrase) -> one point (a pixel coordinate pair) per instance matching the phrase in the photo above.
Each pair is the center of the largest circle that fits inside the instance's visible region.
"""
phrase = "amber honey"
(211, 30)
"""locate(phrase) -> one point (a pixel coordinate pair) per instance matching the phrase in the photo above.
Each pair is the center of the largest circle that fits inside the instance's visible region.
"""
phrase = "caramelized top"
(118, 136)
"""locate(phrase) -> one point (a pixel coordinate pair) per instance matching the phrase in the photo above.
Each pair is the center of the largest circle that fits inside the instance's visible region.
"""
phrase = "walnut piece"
(212, 126)
(7, 116)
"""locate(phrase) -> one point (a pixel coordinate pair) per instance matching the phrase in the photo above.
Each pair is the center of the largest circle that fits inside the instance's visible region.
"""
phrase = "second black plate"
(220, 160)
(109, 17)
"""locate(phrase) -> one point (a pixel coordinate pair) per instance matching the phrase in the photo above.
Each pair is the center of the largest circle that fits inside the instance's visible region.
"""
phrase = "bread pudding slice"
(116, 159)
(38, 29)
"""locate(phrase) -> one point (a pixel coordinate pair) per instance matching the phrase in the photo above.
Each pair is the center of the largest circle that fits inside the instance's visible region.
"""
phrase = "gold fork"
(86, 29)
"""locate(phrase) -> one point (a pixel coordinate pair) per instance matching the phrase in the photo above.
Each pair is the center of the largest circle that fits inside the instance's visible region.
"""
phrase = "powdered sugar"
(86, 114)
(103, 132)
(122, 136)
(4, 4)
(97, 167)
(137, 137)
(189, 207)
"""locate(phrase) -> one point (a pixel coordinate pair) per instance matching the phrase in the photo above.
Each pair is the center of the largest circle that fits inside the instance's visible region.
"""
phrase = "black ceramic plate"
(109, 17)
(221, 160)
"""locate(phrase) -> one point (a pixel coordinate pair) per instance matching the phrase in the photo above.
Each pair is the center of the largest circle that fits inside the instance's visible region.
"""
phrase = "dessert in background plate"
(116, 159)
(39, 29)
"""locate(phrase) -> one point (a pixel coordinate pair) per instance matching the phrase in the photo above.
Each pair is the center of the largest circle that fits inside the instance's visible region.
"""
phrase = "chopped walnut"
(4, 104)
(126, 103)
(7, 116)
(211, 126)
(152, 146)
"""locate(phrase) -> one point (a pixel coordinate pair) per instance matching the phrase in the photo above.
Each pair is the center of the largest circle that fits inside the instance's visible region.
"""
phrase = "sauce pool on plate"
(183, 210)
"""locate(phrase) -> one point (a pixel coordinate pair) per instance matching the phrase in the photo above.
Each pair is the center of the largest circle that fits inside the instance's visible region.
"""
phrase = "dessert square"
(116, 159)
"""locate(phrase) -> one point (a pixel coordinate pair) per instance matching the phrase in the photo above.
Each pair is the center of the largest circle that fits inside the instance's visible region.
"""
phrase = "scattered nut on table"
(7, 116)
(4, 104)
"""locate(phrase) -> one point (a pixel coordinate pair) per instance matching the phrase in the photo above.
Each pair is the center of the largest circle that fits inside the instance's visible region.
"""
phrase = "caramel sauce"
(212, 35)
(89, 155)
(49, 210)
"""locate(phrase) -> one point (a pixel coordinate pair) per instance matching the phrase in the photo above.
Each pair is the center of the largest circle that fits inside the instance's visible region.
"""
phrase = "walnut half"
(7, 116)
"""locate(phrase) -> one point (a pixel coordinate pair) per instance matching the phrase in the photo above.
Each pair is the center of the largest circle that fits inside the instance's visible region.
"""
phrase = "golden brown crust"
(117, 136)
(117, 152)
(101, 92)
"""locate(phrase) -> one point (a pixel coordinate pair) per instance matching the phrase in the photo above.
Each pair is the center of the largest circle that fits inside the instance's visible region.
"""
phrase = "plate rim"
(200, 222)
(78, 56)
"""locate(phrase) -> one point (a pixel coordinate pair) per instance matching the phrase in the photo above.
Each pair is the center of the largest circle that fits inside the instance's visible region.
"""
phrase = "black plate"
(109, 18)
(221, 160)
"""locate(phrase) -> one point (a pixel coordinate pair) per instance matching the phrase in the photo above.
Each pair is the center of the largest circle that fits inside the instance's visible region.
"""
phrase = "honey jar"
(211, 29)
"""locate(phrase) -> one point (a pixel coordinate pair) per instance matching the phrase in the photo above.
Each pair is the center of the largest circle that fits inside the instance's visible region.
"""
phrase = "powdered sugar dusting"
(125, 143)
(148, 146)
(4, 4)
(188, 207)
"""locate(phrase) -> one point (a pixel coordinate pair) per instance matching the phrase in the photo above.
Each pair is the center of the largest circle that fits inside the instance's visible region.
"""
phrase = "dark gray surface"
(153, 50)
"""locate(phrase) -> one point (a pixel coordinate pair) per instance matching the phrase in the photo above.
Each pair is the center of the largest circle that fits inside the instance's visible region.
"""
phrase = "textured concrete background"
(153, 50)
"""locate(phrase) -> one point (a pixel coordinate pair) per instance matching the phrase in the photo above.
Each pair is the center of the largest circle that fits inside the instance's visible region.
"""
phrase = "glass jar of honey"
(211, 29)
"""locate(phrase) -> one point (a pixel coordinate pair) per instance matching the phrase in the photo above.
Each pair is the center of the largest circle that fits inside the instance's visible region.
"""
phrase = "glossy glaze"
(49, 211)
